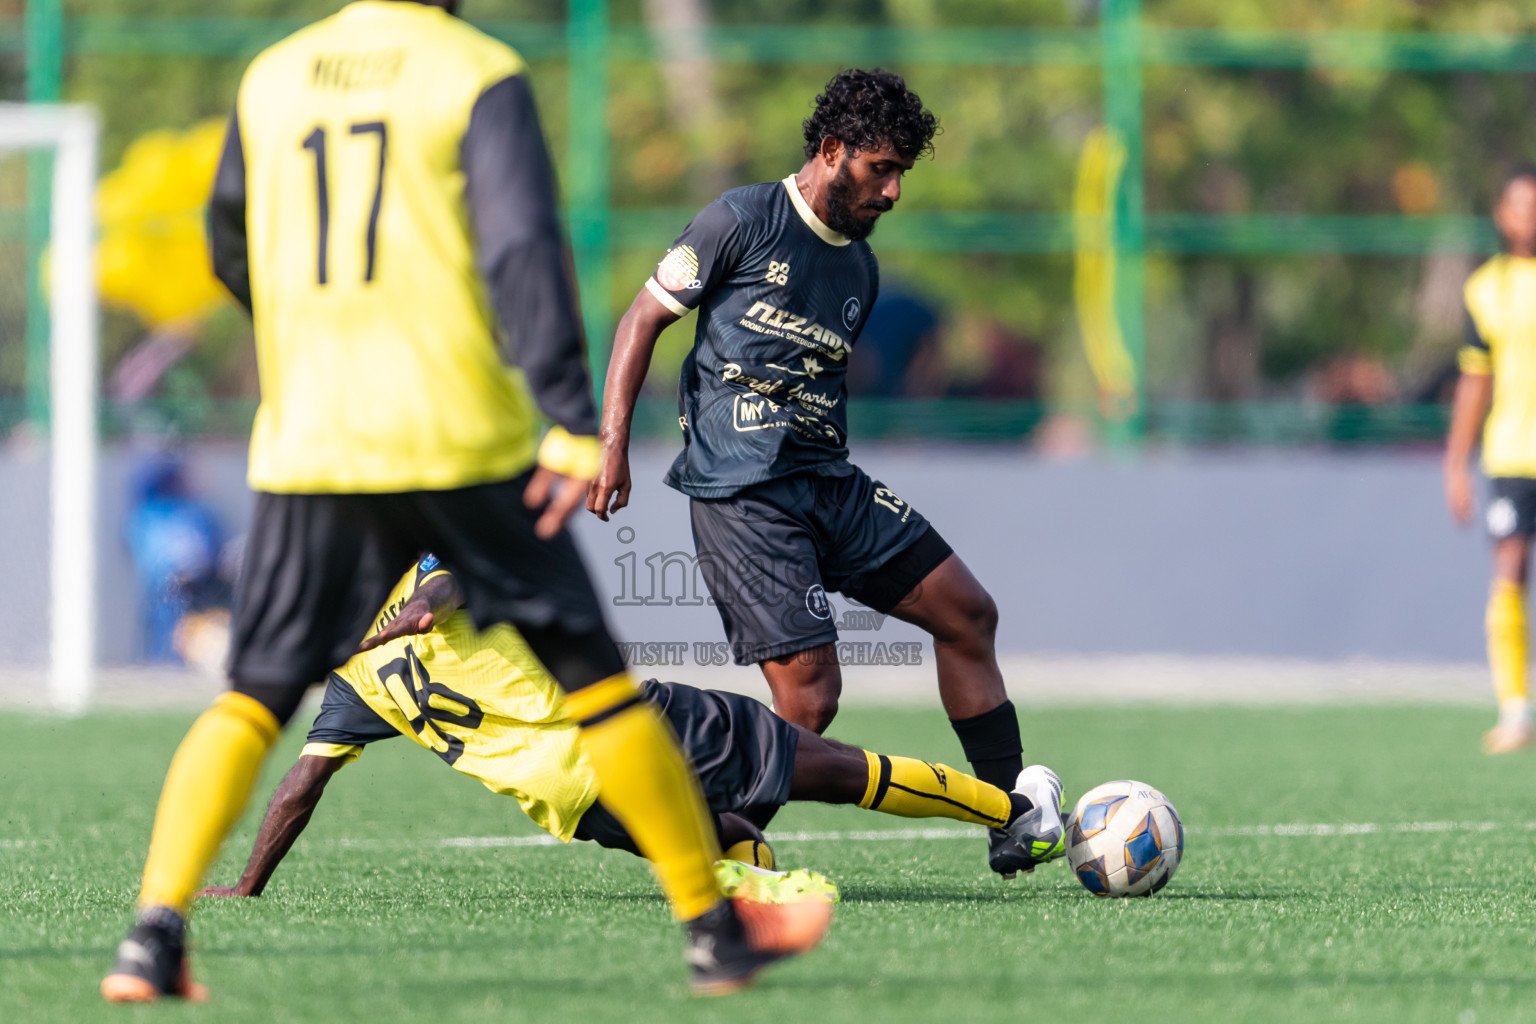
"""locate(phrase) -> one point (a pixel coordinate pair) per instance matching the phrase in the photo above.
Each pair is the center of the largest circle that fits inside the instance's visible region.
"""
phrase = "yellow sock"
(911, 788)
(752, 851)
(206, 790)
(650, 788)
(1507, 642)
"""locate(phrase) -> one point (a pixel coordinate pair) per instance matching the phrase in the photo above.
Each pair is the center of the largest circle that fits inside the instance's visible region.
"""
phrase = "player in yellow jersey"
(486, 707)
(384, 207)
(1498, 384)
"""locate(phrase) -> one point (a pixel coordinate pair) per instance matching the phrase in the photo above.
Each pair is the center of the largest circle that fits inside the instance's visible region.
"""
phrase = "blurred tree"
(679, 29)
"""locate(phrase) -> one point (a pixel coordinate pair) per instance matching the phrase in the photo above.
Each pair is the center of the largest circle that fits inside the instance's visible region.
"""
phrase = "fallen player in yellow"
(483, 703)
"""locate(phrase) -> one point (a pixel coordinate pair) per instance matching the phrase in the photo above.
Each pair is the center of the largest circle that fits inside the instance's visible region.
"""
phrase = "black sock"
(991, 743)
(164, 919)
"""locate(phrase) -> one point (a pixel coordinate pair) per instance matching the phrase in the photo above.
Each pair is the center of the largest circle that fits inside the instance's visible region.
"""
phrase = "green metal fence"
(1122, 45)
(909, 420)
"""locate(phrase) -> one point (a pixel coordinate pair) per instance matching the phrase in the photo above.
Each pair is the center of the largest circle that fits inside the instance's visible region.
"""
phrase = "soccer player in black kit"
(783, 280)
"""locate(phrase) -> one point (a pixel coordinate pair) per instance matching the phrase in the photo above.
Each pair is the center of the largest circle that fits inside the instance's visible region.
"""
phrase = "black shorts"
(1512, 512)
(319, 566)
(743, 752)
(770, 553)
(346, 719)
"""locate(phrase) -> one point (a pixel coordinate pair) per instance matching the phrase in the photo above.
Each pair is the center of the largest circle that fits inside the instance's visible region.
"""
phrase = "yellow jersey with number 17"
(1501, 340)
(376, 343)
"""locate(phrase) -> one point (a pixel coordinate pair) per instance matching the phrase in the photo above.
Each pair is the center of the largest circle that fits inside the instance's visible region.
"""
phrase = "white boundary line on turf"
(905, 834)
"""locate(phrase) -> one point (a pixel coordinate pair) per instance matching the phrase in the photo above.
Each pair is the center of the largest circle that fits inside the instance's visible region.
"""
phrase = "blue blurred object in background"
(898, 327)
(175, 540)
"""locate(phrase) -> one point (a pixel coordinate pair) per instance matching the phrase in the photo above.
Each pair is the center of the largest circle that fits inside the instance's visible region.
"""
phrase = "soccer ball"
(1124, 839)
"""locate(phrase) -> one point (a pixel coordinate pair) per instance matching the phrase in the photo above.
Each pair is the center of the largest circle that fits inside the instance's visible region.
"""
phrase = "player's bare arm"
(633, 344)
(1474, 392)
(438, 597)
(287, 815)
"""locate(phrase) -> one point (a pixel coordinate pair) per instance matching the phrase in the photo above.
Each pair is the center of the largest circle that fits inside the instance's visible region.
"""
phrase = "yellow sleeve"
(570, 455)
(346, 751)
(1474, 361)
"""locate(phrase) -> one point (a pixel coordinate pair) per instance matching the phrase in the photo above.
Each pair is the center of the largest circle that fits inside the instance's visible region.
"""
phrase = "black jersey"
(781, 299)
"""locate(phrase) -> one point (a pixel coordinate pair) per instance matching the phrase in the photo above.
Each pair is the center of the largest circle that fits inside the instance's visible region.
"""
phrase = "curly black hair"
(863, 109)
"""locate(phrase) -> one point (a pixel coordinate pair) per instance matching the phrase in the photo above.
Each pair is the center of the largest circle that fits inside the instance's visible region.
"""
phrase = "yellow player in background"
(1497, 392)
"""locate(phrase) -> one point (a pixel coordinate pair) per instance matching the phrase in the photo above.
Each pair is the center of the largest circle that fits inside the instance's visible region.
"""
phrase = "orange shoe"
(1507, 737)
(152, 962)
(729, 946)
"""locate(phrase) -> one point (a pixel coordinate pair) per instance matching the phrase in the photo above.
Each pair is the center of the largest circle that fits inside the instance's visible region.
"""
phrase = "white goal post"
(70, 131)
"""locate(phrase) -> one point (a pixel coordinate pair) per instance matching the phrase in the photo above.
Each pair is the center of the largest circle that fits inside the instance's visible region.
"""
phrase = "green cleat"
(743, 881)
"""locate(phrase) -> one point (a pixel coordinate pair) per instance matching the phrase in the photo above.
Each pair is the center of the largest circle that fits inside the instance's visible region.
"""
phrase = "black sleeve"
(704, 255)
(345, 719)
(521, 255)
(226, 218)
(1471, 336)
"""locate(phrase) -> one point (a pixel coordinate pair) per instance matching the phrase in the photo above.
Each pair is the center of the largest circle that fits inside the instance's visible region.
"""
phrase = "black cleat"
(1004, 856)
(152, 962)
(730, 944)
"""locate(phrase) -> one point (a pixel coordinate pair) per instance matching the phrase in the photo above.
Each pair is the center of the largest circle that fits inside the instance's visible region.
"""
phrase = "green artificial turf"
(371, 919)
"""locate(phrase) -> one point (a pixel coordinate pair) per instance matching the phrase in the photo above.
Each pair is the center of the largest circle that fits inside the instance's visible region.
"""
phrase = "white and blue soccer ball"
(1124, 839)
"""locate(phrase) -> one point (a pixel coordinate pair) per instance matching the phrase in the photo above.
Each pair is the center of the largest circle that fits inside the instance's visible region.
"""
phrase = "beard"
(842, 199)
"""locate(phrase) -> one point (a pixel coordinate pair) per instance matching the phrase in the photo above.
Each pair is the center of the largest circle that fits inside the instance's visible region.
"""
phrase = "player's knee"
(814, 709)
(984, 618)
(806, 686)
(972, 621)
(1511, 560)
(811, 706)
